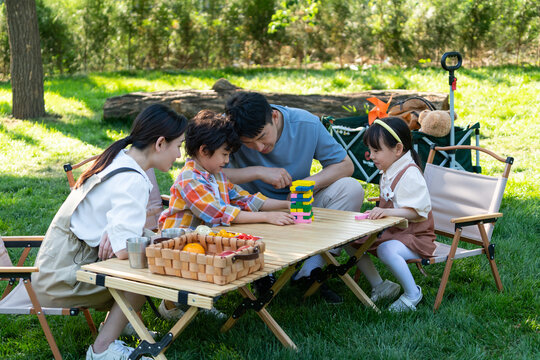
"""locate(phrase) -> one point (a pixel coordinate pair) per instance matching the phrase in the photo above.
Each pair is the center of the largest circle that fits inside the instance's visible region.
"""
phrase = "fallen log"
(189, 102)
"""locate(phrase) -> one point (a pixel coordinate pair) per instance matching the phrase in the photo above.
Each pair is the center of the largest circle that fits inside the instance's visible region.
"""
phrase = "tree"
(26, 67)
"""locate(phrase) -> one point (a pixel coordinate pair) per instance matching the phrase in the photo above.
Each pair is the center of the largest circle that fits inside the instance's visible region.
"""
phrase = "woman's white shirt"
(116, 207)
(411, 191)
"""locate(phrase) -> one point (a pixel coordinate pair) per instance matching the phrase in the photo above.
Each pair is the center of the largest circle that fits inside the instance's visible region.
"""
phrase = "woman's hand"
(279, 218)
(105, 249)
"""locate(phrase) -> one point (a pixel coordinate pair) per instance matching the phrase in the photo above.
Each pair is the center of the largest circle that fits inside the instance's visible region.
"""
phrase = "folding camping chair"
(349, 132)
(465, 207)
(21, 299)
(423, 143)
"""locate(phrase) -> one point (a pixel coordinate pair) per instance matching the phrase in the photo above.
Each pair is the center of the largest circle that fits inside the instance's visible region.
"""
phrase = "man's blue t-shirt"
(302, 139)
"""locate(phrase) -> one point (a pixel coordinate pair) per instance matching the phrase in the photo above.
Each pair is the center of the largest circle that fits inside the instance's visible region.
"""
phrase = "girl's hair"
(376, 135)
(153, 122)
(211, 130)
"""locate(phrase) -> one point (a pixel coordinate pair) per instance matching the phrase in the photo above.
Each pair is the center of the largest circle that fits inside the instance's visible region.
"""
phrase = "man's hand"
(105, 249)
(277, 177)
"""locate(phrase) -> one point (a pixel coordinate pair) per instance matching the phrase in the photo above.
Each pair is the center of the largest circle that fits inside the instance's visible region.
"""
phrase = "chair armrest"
(22, 241)
(474, 219)
(165, 199)
(18, 269)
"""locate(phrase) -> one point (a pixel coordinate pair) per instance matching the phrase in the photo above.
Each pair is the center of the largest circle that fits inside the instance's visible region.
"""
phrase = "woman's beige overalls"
(62, 254)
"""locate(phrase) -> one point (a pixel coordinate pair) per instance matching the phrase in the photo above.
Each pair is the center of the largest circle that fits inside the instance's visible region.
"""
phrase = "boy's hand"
(377, 213)
(279, 218)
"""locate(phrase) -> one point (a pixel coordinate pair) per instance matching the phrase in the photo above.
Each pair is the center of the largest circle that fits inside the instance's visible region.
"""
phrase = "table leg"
(269, 321)
(351, 284)
(263, 313)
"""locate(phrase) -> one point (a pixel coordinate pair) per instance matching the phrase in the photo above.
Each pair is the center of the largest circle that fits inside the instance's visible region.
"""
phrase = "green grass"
(474, 321)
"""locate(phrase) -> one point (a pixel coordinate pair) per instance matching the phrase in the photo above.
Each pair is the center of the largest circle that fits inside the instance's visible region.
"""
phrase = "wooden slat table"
(285, 247)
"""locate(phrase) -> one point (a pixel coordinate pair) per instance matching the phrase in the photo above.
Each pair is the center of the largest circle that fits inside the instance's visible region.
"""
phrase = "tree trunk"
(26, 66)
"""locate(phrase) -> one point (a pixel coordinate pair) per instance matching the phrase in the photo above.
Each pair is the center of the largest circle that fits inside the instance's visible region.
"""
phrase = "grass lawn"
(474, 321)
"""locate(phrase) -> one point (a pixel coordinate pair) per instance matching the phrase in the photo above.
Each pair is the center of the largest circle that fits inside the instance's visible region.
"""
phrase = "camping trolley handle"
(451, 69)
(451, 54)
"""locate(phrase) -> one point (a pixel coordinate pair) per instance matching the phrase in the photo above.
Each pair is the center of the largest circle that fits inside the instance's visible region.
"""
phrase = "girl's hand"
(377, 213)
(279, 218)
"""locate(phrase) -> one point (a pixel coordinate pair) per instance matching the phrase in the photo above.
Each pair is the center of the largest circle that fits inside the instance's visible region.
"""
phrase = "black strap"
(117, 171)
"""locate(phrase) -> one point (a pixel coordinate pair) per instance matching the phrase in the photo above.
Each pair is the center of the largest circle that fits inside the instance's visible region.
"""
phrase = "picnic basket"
(242, 257)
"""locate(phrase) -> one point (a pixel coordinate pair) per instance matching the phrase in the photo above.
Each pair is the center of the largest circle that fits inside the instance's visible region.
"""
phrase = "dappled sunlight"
(28, 148)
(144, 84)
(58, 104)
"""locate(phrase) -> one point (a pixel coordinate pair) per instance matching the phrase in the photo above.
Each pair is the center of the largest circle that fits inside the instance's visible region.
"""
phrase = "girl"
(107, 206)
(202, 193)
(403, 193)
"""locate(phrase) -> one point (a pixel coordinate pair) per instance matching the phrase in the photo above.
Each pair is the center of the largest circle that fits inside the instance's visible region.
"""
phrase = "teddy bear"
(435, 122)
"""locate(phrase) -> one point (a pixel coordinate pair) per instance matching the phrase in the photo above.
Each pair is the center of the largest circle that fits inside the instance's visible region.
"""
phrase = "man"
(279, 145)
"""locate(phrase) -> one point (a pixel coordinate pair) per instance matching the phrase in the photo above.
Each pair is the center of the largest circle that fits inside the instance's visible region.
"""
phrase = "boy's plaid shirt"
(193, 201)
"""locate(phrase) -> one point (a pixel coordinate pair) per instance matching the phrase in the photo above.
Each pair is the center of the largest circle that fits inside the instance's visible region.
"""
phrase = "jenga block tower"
(302, 200)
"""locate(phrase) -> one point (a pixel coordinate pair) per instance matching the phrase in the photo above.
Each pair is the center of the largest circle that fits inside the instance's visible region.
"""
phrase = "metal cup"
(136, 247)
(172, 232)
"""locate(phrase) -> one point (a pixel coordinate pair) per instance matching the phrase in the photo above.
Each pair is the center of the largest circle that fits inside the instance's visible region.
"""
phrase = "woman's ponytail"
(153, 122)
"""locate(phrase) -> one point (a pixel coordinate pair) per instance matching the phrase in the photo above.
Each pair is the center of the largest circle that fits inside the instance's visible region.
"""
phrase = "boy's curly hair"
(211, 130)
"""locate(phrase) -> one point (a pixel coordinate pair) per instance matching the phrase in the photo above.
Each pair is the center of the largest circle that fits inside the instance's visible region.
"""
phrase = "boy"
(202, 194)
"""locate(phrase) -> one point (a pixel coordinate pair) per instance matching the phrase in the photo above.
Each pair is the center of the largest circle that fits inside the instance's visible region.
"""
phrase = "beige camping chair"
(156, 202)
(21, 299)
(465, 208)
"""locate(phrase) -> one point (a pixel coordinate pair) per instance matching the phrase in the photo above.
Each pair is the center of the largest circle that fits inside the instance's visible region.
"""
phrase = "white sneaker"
(404, 304)
(118, 350)
(169, 314)
(386, 289)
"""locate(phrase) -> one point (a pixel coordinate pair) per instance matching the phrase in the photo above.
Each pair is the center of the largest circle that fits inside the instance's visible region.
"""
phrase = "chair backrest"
(456, 193)
(155, 204)
(4, 256)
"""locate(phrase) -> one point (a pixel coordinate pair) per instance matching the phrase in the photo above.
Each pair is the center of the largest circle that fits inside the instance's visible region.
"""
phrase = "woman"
(107, 206)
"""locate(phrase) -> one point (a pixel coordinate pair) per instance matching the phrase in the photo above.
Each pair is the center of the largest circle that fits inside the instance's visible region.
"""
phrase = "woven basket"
(167, 258)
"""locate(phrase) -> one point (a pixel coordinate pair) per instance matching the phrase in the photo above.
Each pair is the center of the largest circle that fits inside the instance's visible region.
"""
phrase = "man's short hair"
(212, 130)
(250, 112)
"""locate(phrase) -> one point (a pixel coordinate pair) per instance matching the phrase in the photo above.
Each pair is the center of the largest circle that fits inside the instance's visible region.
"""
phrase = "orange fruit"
(194, 248)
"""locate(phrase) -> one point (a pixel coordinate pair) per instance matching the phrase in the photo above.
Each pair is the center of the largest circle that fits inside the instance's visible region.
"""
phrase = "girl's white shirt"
(116, 207)
(411, 191)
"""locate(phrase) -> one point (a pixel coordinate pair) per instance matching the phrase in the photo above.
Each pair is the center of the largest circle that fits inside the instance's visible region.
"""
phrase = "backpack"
(409, 110)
